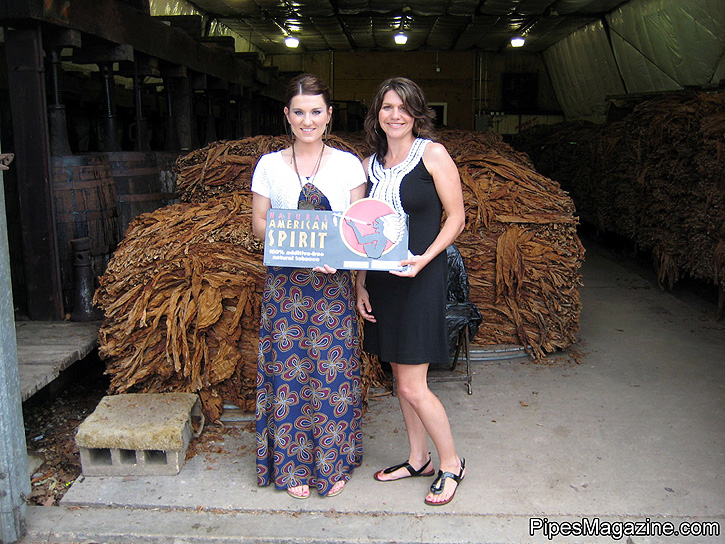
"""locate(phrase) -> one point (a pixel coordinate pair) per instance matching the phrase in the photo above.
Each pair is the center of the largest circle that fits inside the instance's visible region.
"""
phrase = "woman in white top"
(309, 394)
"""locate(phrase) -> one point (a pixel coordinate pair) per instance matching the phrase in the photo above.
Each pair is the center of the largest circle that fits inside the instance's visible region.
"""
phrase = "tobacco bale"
(501, 188)
(463, 143)
(521, 251)
(181, 303)
(682, 173)
(222, 167)
(657, 177)
(356, 140)
(565, 152)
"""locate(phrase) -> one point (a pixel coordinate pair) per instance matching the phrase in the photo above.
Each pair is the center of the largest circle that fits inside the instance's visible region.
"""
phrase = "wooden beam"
(172, 70)
(193, 25)
(142, 65)
(100, 53)
(220, 43)
(61, 37)
(26, 78)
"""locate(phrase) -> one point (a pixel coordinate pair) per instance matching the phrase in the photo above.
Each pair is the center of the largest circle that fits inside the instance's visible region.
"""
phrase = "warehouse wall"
(446, 78)
(470, 84)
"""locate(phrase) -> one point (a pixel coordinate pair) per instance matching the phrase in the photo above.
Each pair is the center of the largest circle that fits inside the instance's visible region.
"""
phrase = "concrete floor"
(625, 426)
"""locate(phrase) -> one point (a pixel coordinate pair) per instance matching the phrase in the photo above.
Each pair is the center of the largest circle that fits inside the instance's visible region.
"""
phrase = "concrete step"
(59, 525)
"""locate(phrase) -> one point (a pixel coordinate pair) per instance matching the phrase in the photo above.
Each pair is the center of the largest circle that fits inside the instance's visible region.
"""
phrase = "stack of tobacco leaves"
(356, 140)
(222, 167)
(564, 152)
(181, 299)
(657, 178)
(520, 246)
(461, 143)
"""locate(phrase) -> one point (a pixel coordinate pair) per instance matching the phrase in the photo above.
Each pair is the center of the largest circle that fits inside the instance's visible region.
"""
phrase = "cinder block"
(139, 434)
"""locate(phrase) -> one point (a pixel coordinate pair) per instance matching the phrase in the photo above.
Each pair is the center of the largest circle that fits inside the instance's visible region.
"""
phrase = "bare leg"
(418, 400)
(417, 436)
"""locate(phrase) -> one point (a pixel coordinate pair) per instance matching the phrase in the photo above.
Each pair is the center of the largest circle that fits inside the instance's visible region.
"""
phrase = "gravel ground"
(51, 418)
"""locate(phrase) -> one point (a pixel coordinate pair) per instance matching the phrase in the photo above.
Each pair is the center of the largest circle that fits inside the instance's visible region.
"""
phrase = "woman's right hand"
(363, 304)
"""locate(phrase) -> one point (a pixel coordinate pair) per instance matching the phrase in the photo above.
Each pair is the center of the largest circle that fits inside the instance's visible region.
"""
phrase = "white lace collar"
(386, 181)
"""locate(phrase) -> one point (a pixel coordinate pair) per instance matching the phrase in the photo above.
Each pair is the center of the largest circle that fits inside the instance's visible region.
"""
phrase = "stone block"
(139, 434)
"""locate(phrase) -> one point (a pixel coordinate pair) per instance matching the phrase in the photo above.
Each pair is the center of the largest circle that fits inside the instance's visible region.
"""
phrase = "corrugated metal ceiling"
(369, 25)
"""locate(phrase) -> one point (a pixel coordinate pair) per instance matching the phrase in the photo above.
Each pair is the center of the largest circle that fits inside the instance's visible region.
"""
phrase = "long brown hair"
(415, 104)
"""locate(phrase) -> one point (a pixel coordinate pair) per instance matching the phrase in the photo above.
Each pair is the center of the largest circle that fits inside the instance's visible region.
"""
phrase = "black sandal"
(439, 483)
(413, 473)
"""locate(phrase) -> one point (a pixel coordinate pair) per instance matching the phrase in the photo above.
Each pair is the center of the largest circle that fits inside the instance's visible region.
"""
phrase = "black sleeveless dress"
(410, 312)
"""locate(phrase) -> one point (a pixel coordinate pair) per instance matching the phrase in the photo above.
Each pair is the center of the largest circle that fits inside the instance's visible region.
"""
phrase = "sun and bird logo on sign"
(368, 235)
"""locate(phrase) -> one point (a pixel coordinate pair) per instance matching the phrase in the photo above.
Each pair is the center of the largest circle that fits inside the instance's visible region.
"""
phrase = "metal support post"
(14, 476)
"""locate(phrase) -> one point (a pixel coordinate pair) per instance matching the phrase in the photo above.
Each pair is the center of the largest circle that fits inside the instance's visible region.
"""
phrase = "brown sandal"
(413, 473)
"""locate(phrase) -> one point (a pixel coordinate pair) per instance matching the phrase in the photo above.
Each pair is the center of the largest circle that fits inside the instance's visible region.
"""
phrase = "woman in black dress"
(404, 311)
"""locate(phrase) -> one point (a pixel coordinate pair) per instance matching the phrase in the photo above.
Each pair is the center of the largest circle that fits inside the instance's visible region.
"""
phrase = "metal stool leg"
(467, 349)
(462, 348)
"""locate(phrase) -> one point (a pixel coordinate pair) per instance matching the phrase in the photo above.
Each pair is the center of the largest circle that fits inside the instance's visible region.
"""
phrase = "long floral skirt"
(309, 394)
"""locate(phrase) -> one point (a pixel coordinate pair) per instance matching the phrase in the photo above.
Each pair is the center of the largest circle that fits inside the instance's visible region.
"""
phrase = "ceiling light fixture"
(517, 42)
(291, 42)
(401, 38)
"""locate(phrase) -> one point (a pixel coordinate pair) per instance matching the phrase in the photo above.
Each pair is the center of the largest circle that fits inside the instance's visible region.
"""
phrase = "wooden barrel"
(138, 185)
(86, 205)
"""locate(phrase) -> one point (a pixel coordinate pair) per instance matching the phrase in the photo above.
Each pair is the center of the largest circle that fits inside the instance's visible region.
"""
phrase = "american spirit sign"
(368, 235)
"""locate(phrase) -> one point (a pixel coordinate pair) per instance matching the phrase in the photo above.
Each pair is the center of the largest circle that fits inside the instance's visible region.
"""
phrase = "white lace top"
(386, 181)
(277, 180)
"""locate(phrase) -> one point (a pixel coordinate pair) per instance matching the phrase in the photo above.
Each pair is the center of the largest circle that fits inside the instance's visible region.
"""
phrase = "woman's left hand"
(327, 269)
(411, 266)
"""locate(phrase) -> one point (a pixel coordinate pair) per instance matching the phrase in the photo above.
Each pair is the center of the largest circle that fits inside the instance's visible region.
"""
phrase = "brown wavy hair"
(415, 104)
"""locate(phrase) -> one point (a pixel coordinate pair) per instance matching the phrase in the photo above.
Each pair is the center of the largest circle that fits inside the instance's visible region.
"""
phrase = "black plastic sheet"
(460, 312)
(457, 276)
